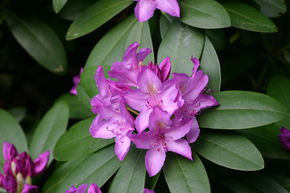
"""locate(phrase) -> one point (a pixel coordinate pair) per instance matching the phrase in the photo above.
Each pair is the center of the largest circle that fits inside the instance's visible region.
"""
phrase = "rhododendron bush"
(144, 96)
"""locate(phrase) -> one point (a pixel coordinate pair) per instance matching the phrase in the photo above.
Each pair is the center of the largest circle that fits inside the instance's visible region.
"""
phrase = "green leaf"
(40, 41)
(207, 14)
(94, 16)
(111, 48)
(97, 168)
(211, 66)
(11, 132)
(73, 9)
(242, 110)
(266, 140)
(131, 176)
(272, 8)
(184, 175)
(58, 5)
(246, 17)
(164, 23)
(239, 187)
(77, 110)
(229, 150)
(187, 42)
(50, 129)
(78, 142)
(279, 88)
(18, 113)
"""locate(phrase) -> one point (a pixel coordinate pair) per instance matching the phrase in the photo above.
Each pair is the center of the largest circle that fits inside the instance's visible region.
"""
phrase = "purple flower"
(148, 191)
(119, 124)
(19, 168)
(164, 135)
(144, 9)
(76, 81)
(284, 137)
(94, 188)
(163, 70)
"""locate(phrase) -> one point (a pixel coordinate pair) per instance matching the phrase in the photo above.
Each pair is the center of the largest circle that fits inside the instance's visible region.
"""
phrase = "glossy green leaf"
(11, 132)
(246, 17)
(242, 110)
(211, 66)
(50, 129)
(58, 4)
(207, 14)
(97, 168)
(187, 42)
(229, 150)
(272, 8)
(40, 42)
(266, 140)
(78, 142)
(131, 176)
(73, 9)
(279, 88)
(184, 175)
(94, 16)
(77, 110)
(111, 48)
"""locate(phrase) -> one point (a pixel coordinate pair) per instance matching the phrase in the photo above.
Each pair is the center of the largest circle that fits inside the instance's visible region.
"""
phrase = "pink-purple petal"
(149, 82)
(94, 188)
(122, 146)
(148, 191)
(40, 162)
(142, 120)
(181, 147)
(159, 119)
(179, 129)
(169, 6)
(284, 138)
(194, 132)
(9, 184)
(165, 68)
(27, 188)
(154, 160)
(144, 9)
(101, 128)
(9, 151)
(144, 140)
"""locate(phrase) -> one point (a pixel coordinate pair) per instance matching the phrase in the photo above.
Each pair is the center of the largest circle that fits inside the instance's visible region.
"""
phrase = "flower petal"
(81, 189)
(122, 146)
(41, 162)
(29, 189)
(148, 191)
(144, 140)
(101, 128)
(179, 129)
(9, 151)
(149, 82)
(142, 120)
(9, 184)
(136, 100)
(169, 6)
(168, 96)
(181, 147)
(154, 160)
(165, 68)
(94, 188)
(205, 101)
(159, 119)
(142, 54)
(194, 132)
(144, 9)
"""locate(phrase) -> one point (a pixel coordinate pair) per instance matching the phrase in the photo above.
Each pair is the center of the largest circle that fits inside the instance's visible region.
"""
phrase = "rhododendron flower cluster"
(164, 108)
(144, 9)
(19, 168)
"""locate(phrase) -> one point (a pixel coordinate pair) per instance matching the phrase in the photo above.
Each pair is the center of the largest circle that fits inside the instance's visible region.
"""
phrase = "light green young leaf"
(187, 42)
(207, 14)
(229, 150)
(78, 142)
(39, 40)
(242, 110)
(94, 16)
(184, 175)
(246, 17)
(50, 129)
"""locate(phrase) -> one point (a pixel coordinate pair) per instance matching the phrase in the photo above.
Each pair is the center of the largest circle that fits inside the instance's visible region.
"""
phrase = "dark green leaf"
(239, 187)
(229, 150)
(272, 8)
(94, 16)
(183, 175)
(266, 140)
(78, 142)
(77, 110)
(97, 168)
(131, 176)
(58, 4)
(211, 66)
(40, 41)
(279, 88)
(207, 14)
(152, 181)
(11, 132)
(246, 17)
(181, 43)
(242, 110)
(165, 22)
(50, 129)
(18, 113)
(73, 9)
